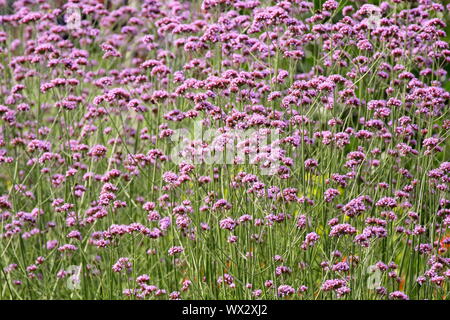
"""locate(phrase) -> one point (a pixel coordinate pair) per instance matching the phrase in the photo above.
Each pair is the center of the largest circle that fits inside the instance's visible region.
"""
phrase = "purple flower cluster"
(322, 151)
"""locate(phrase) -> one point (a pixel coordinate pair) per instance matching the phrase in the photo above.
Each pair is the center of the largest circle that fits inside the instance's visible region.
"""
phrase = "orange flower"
(402, 284)
(443, 244)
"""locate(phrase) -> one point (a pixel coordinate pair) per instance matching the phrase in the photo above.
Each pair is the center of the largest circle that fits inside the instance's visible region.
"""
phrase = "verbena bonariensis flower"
(295, 139)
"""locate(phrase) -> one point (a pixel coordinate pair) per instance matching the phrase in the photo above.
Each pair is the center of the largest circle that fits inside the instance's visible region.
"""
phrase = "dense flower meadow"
(224, 149)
